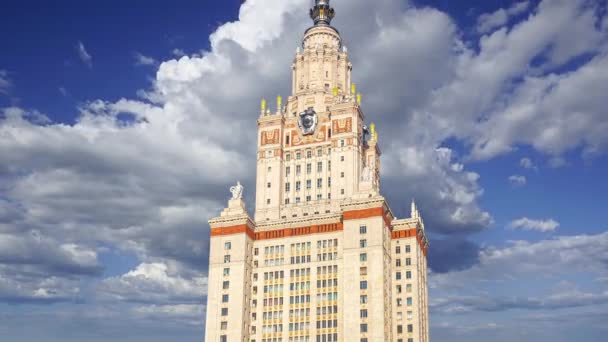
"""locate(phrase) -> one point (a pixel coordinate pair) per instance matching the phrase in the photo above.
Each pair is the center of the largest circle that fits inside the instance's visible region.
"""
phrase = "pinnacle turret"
(322, 13)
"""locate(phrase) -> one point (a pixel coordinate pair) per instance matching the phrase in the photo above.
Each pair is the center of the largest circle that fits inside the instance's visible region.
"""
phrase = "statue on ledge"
(237, 191)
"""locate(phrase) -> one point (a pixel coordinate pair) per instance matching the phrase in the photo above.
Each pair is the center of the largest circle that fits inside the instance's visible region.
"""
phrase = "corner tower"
(324, 258)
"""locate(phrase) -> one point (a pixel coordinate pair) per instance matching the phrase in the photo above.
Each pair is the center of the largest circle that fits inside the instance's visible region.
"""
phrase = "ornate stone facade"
(324, 259)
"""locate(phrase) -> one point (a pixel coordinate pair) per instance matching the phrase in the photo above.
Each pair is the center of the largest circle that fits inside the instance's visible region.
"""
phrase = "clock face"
(308, 121)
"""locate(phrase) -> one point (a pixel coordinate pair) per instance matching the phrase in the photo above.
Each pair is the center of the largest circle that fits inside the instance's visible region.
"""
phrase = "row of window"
(308, 184)
(305, 285)
(272, 315)
(273, 289)
(398, 249)
(274, 275)
(327, 283)
(408, 262)
(299, 313)
(299, 326)
(331, 323)
(298, 154)
(308, 168)
(327, 256)
(308, 198)
(272, 250)
(408, 275)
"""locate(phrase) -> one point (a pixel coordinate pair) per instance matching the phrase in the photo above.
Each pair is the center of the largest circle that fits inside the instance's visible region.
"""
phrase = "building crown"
(322, 13)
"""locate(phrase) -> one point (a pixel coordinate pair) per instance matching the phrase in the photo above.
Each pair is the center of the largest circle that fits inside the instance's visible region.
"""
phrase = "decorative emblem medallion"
(308, 121)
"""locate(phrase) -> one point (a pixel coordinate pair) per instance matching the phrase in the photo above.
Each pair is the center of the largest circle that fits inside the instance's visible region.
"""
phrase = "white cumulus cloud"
(549, 225)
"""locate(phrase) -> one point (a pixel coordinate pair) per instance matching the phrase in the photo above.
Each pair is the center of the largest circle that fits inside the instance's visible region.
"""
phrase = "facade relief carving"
(342, 125)
(270, 137)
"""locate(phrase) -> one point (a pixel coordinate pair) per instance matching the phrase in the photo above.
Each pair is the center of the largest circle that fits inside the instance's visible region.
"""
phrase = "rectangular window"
(328, 181)
(342, 191)
(408, 288)
(225, 298)
(287, 201)
(400, 329)
(408, 261)
(328, 165)
(319, 166)
(319, 183)
(287, 170)
(363, 257)
(298, 186)
(398, 250)
(298, 169)
(363, 243)
(226, 258)
(287, 140)
(308, 168)
(308, 198)
(287, 187)
(268, 185)
(409, 301)
(363, 299)
(408, 275)
(342, 143)
(363, 313)
(308, 184)
(362, 229)
(224, 325)
(407, 249)
(319, 152)
(319, 197)
(410, 328)
(287, 156)
(363, 328)
(227, 246)
(298, 155)
(398, 262)
(341, 174)
(223, 338)
(363, 285)
(225, 285)
(398, 275)
(224, 311)
(398, 288)
(298, 200)
(341, 158)
(308, 154)
(399, 302)
(226, 272)
(363, 270)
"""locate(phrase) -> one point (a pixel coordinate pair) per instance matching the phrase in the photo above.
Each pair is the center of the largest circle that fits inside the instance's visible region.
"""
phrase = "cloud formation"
(144, 60)
(517, 180)
(143, 175)
(489, 21)
(5, 82)
(84, 56)
(524, 223)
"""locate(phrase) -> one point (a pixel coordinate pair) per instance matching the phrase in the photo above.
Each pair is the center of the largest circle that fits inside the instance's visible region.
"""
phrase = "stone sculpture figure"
(237, 191)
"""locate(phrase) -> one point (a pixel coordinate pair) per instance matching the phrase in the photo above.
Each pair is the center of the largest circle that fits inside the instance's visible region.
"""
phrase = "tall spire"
(322, 13)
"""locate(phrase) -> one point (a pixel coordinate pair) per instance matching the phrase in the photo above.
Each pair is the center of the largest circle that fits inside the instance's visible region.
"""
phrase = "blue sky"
(122, 125)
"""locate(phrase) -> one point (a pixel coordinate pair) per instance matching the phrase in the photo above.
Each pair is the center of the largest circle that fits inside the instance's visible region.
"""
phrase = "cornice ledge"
(229, 221)
(299, 222)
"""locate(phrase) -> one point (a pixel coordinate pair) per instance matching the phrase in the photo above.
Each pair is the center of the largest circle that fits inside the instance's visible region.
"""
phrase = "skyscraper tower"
(324, 258)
